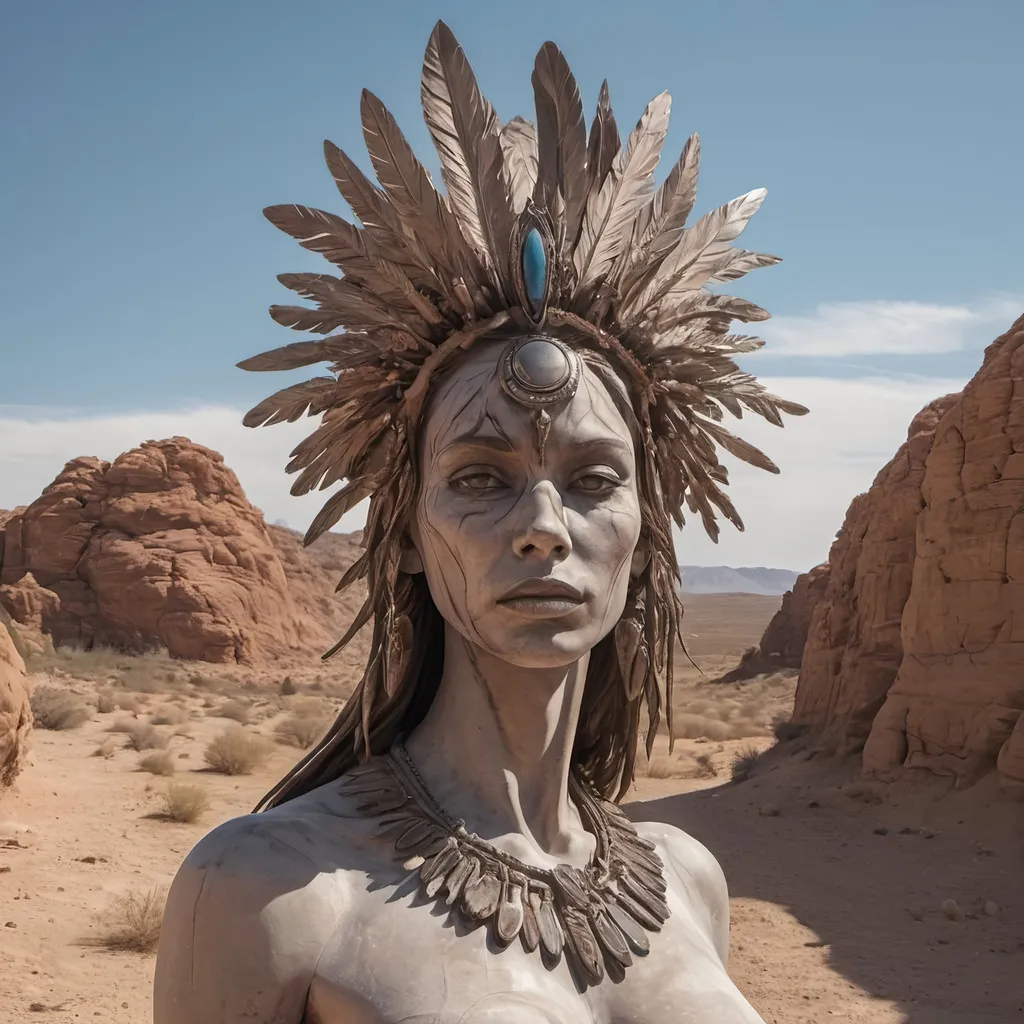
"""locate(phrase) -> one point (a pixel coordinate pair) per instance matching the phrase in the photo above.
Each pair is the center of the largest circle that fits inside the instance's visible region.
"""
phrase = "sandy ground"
(837, 887)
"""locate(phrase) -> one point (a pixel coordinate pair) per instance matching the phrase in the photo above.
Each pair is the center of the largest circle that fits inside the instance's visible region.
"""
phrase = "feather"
(519, 147)
(561, 143)
(466, 132)
(737, 446)
(301, 318)
(604, 142)
(721, 225)
(672, 203)
(611, 211)
(291, 357)
(336, 506)
(291, 403)
(406, 182)
(317, 231)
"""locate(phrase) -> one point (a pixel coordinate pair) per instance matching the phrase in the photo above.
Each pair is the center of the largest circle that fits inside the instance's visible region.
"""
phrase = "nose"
(541, 531)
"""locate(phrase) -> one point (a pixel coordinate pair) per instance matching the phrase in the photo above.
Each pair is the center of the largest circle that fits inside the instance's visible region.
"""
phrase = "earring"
(631, 647)
(399, 652)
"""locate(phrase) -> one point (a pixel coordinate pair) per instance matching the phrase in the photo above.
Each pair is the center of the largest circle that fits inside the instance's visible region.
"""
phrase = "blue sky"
(141, 142)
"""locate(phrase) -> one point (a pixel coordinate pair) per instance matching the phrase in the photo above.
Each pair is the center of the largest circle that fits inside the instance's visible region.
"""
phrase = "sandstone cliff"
(916, 649)
(162, 548)
(782, 644)
(15, 714)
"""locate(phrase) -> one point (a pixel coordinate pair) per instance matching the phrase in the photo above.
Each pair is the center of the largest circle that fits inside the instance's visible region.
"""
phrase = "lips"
(542, 599)
(542, 590)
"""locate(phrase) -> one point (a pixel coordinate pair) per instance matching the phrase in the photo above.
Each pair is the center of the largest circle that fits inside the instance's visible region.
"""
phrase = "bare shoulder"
(697, 875)
(249, 913)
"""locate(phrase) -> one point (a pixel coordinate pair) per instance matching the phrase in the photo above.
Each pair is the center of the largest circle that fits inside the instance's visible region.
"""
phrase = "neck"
(495, 748)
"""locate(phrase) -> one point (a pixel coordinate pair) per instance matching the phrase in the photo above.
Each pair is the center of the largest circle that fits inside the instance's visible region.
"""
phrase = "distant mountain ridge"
(724, 579)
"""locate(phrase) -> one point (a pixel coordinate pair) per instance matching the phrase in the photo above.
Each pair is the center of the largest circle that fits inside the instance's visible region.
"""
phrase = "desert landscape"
(852, 752)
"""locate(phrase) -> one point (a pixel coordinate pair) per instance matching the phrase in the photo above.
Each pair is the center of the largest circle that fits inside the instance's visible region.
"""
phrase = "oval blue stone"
(535, 266)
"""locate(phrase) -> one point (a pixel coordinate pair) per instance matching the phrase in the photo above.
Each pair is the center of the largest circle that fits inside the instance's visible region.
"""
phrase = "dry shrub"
(785, 730)
(169, 714)
(58, 709)
(706, 768)
(300, 730)
(134, 921)
(106, 702)
(744, 764)
(142, 736)
(157, 763)
(236, 710)
(185, 802)
(96, 663)
(106, 749)
(128, 702)
(237, 752)
(669, 767)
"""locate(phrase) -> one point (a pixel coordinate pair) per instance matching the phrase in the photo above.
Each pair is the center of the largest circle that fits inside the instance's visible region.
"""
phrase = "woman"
(528, 388)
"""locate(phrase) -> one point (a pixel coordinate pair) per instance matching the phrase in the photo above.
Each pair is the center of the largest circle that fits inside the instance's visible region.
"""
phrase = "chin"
(543, 646)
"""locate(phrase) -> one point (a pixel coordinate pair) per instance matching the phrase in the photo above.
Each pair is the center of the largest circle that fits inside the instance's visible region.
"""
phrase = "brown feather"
(519, 147)
(561, 142)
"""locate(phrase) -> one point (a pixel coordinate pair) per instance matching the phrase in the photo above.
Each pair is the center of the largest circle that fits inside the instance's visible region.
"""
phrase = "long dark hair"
(605, 748)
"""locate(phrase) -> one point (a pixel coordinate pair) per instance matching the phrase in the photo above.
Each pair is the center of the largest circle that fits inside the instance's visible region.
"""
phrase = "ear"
(409, 560)
(641, 557)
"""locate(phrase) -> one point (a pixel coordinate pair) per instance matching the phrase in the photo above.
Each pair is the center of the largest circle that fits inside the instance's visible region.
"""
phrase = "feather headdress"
(428, 273)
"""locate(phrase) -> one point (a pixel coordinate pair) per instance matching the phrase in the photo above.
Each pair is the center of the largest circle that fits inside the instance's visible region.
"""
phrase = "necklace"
(598, 916)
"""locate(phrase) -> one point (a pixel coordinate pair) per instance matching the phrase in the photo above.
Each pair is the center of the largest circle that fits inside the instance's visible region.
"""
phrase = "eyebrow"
(478, 441)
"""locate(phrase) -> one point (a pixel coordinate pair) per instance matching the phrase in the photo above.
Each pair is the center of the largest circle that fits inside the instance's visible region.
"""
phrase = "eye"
(477, 482)
(597, 484)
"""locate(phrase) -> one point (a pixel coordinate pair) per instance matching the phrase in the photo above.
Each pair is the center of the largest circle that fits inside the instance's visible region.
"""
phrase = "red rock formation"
(782, 645)
(916, 651)
(159, 548)
(32, 607)
(955, 707)
(15, 714)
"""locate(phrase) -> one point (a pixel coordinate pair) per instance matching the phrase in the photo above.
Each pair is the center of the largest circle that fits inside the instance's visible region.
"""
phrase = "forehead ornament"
(538, 371)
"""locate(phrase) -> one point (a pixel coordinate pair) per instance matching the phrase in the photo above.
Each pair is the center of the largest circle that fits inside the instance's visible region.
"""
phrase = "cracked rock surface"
(916, 650)
(161, 548)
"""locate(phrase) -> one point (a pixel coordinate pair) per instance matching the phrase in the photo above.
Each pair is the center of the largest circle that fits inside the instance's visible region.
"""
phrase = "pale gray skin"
(301, 913)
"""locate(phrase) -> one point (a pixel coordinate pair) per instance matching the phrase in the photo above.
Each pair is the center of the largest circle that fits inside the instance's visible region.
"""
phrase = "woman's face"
(526, 537)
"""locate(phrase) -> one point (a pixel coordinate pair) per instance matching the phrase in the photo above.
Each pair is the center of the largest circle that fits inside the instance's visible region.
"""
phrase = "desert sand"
(840, 889)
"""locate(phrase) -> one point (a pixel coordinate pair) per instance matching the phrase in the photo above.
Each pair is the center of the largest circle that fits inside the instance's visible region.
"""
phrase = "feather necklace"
(598, 916)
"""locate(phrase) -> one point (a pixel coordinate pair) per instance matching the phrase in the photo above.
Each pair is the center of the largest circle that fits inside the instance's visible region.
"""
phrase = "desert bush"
(706, 768)
(169, 714)
(301, 730)
(106, 749)
(129, 702)
(106, 702)
(96, 663)
(668, 767)
(142, 736)
(157, 763)
(784, 730)
(134, 921)
(184, 802)
(236, 710)
(58, 709)
(744, 764)
(287, 687)
(236, 752)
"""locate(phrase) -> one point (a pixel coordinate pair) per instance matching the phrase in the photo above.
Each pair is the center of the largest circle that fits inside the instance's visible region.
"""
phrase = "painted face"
(526, 533)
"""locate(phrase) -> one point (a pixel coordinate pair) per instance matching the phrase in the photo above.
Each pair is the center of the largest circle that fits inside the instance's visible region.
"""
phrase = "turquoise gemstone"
(535, 267)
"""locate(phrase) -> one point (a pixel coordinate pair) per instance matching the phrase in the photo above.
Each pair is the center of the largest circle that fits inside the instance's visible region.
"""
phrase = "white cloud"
(826, 458)
(890, 328)
(38, 443)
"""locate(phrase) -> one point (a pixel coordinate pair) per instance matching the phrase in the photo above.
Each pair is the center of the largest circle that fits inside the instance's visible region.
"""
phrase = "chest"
(399, 957)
